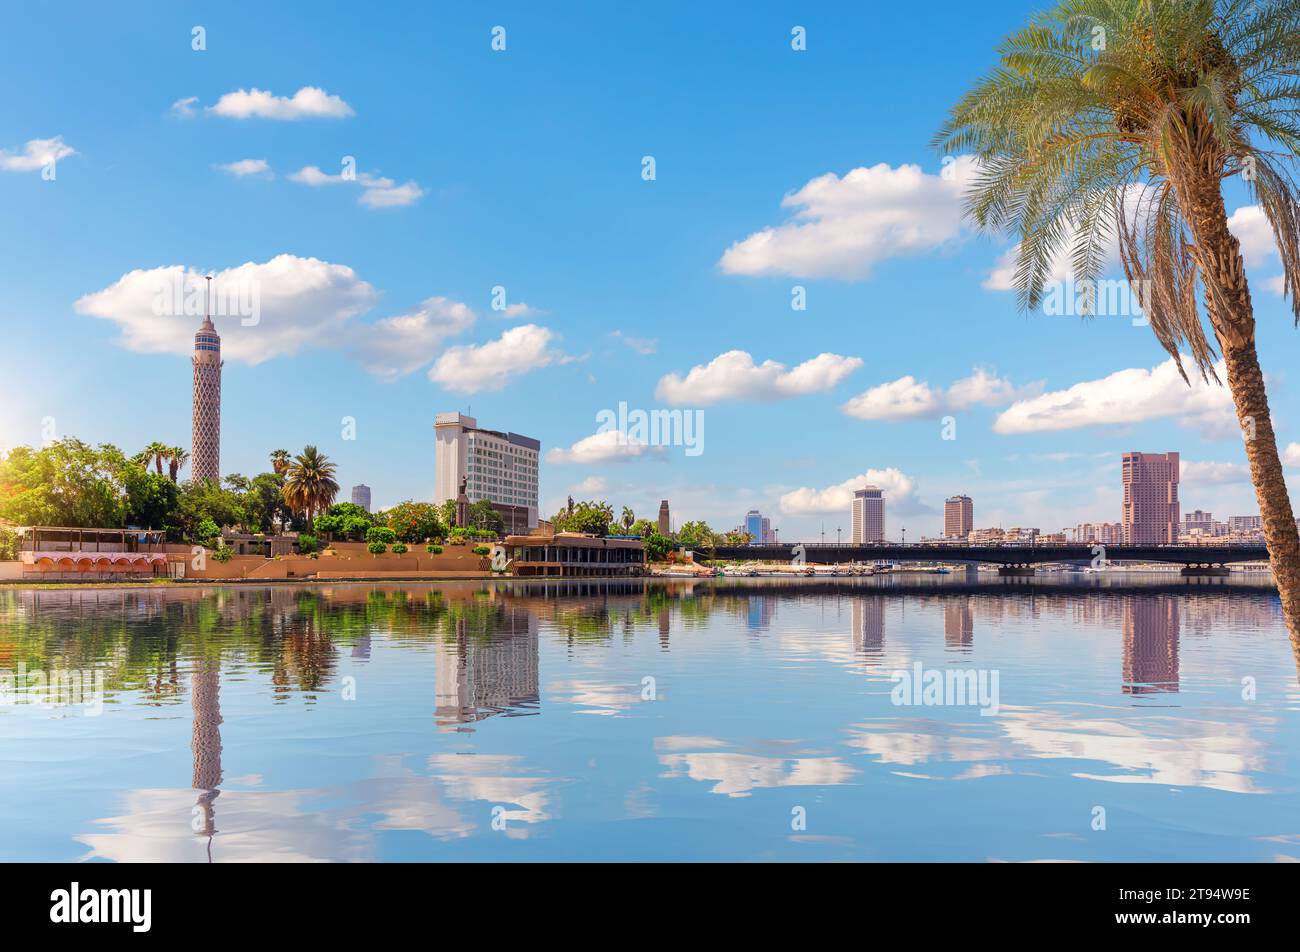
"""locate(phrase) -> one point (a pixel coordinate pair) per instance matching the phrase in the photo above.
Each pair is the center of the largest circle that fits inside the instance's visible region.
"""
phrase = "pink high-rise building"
(1150, 514)
(205, 458)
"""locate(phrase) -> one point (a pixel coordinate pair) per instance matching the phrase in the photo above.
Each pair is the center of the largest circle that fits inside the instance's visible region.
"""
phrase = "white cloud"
(392, 196)
(1212, 474)
(607, 446)
(379, 192)
(1128, 396)
(1291, 455)
(36, 154)
(396, 346)
(842, 227)
(733, 376)
(474, 368)
(591, 485)
(258, 167)
(521, 309)
(644, 346)
(310, 102)
(184, 108)
(910, 399)
(899, 491)
(302, 303)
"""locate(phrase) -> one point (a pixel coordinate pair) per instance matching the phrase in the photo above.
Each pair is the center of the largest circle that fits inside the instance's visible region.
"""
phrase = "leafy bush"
(399, 549)
(381, 534)
(433, 549)
(222, 553)
(377, 548)
(306, 544)
(206, 530)
(482, 550)
(8, 545)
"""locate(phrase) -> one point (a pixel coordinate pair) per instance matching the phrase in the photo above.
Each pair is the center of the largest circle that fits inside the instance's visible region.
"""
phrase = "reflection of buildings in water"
(482, 674)
(205, 740)
(665, 626)
(361, 649)
(759, 612)
(958, 624)
(868, 621)
(1151, 644)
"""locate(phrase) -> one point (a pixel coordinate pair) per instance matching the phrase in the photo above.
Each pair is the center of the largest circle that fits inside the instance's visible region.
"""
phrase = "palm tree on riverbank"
(279, 461)
(177, 457)
(1125, 117)
(309, 485)
(155, 453)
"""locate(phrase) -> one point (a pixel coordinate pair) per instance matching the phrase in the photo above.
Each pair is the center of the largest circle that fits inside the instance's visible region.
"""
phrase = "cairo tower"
(205, 462)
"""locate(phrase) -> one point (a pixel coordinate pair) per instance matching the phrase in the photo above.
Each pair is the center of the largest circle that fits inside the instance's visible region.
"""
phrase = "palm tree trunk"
(1231, 313)
(1246, 381)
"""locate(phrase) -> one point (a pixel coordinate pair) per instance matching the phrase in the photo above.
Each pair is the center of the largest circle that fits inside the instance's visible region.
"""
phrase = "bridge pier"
(1204, 570)
(1016, 571)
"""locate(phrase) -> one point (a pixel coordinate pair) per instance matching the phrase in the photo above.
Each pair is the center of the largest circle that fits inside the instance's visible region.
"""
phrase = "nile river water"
(934, 718)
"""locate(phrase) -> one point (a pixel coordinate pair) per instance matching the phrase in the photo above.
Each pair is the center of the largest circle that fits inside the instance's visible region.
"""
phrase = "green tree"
(309, 484)
(415, 521)
(697, 535)
(656, 547)
(486, 519)
(67, 483)
(1127, 117)
(591, 517)
(381, 534)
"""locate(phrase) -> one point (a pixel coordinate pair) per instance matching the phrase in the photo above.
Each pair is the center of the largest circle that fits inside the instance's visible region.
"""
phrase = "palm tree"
(155, 453)
(309, 485)
(1124, 118)
(628, 518)
(177, 457)
(279, 461)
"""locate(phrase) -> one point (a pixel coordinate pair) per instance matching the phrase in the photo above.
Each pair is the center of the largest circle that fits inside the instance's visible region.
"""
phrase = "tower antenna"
(207, 306)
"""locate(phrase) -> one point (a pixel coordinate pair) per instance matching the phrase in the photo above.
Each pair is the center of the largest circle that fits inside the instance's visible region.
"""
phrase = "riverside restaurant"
(66, 553)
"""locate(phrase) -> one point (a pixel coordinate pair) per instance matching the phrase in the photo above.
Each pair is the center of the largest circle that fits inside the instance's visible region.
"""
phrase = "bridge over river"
(1013, 558)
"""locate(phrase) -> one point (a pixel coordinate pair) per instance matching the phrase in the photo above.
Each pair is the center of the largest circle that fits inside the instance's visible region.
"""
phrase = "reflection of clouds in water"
(289, 826)
(595, 697)
(737, 774)
(1210, 754)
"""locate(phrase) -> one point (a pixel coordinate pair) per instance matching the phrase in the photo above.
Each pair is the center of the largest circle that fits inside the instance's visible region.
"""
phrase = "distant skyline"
(431, 225)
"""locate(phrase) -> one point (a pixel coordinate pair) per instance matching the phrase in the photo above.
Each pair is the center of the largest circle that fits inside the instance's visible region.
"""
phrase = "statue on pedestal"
(462, 504)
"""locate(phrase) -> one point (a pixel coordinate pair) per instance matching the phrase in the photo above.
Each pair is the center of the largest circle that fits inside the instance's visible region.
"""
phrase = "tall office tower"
(665, 524)
(205, 440)
(1150, 514)
(498, 467)
(958, 517)
(754, 526)
(768, 536)
(868, 515)
(361, 496)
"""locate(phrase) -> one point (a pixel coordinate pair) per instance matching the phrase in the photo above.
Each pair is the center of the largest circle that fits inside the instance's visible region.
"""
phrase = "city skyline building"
(868, 516)
(958, 517)
(361, 496)
(205, 408)
(499, 467)
(665, 521)
(1150, 507)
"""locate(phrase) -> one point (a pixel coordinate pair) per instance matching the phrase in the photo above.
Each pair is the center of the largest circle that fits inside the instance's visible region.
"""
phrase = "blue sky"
(523, 169)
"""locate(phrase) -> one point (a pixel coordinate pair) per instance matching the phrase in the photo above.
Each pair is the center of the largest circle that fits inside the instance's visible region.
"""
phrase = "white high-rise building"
(361, 496)
(496, 466)
(868, 515)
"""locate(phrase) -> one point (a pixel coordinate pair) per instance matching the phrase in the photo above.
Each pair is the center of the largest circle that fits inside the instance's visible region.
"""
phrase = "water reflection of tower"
(958, 624)
(868, 621)
(760, 611)
(665, 627)
(1150, 644)
(482, 674)
(205, 740)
